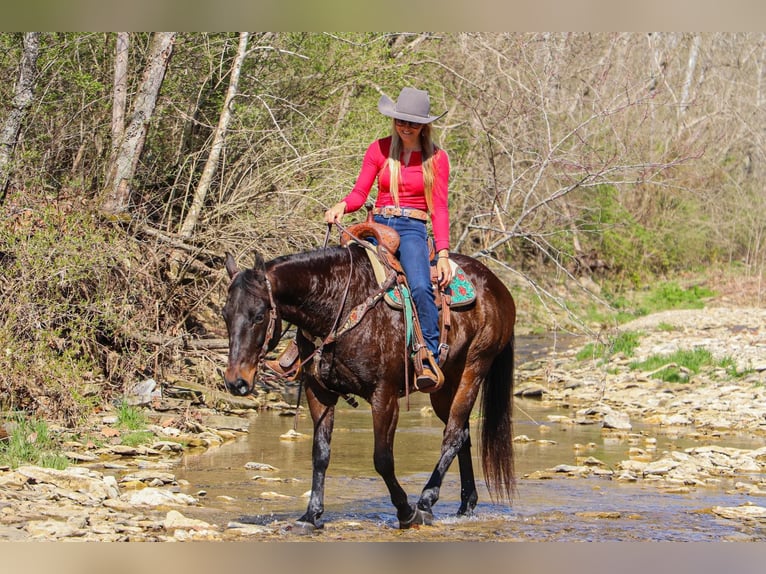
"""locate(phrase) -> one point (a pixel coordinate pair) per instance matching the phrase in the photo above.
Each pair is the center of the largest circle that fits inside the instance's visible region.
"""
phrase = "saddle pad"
(460, 289)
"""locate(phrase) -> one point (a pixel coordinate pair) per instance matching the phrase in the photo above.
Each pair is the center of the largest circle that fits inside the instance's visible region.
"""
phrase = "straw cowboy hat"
(412, 105)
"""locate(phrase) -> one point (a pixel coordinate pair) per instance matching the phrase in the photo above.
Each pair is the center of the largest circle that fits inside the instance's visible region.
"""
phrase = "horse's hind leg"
(456, 441)
(468, 494)
(454, 444)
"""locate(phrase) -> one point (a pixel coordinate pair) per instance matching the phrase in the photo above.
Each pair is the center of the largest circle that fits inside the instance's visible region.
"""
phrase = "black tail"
(496, 427)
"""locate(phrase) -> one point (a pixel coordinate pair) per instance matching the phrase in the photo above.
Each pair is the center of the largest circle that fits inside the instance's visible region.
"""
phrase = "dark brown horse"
(316, 291)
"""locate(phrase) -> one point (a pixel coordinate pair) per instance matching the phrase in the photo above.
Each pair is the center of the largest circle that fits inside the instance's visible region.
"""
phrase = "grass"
(662, 297)
(683, 363)
(30, 442)
(130, 417)
(137, 438)
(134, 420)
(624, 343)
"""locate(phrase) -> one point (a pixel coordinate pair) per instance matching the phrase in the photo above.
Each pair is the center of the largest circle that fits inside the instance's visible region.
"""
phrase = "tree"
(219, 138)
(120, 88)
(22, 99)
(118, 190)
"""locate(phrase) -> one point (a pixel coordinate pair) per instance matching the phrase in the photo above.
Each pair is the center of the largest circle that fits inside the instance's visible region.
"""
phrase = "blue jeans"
(413, 255)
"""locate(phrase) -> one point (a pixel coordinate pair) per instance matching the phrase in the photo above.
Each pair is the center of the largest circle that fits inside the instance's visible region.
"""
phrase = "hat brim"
(387, 107)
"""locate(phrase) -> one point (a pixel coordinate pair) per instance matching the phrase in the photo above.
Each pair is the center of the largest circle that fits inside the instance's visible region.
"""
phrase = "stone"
(174, 520)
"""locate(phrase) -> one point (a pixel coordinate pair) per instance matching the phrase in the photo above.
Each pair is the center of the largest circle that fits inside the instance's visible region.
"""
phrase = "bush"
(66, 294)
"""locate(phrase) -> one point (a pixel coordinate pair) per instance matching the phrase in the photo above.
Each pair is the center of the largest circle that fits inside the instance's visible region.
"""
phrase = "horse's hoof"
(419, 517)
(303, 528)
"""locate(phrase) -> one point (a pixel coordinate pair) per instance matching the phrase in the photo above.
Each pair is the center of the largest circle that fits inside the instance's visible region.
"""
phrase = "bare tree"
(690, 68)
(120, 96)
(21, 101)
(219, 138)
(118, 191)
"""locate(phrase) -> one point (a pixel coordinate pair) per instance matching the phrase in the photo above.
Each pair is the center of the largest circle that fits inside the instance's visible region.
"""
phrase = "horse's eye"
(257, 319)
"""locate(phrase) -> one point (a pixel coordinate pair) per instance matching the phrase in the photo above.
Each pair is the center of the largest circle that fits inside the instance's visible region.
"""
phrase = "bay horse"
(316, 291)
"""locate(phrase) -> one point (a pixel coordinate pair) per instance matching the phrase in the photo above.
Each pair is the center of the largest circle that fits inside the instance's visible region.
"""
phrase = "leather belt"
(392, 211)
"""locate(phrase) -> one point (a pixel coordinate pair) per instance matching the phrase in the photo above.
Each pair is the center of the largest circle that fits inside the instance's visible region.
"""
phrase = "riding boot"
(284, 364)
(428, 376)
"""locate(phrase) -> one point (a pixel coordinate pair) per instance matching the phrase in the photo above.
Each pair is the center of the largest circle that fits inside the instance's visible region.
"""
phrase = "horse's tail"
(496, 429)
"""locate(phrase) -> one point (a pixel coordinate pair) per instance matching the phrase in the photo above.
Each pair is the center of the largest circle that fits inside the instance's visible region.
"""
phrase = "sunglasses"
(405, 123)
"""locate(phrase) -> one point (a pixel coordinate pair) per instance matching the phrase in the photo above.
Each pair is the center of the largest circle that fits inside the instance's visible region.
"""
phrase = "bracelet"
(443, 257)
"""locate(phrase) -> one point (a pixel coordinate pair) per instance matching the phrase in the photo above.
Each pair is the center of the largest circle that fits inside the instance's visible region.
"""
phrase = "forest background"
(586, 168)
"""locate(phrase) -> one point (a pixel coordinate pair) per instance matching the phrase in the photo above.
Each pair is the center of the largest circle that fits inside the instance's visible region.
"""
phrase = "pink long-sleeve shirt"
(411, 189)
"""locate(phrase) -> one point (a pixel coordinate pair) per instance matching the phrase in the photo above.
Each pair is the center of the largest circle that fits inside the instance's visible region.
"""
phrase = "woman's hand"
(443, 270)
(335, 213)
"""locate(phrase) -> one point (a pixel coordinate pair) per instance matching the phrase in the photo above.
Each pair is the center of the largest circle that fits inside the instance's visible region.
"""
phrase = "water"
(357, 505)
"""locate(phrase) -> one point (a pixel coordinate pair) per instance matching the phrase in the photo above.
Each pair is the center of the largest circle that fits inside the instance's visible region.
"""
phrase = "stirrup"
(429, 377)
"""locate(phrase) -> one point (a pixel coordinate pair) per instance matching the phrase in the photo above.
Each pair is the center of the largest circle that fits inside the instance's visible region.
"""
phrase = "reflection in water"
(542, 510)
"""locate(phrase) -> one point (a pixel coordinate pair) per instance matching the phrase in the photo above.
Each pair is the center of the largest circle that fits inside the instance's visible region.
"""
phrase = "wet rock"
(293, 435)
(617, 421)
(150, 476)
(600, 515)
(744, 512)
(271, 495)
(263, 467)
(531, 391)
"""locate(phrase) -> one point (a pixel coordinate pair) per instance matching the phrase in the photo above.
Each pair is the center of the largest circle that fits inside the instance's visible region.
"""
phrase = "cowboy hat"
(412, 105)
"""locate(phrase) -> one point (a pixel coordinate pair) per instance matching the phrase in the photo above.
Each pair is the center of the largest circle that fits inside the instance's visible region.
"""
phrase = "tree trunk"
(218, 141)
(120, 90)
(22, 99)
(690, 68)
(118, 190)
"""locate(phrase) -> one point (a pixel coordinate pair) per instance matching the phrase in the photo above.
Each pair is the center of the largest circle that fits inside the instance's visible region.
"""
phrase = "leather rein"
(352, 320)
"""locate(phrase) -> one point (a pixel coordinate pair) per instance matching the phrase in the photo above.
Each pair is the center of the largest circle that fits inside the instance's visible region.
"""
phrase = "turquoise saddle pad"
(460, 289)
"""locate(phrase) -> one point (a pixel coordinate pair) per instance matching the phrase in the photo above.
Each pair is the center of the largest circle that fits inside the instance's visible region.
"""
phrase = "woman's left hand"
(443, 271)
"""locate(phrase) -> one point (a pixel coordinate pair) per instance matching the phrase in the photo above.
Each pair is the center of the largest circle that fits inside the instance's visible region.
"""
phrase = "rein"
(352, 320)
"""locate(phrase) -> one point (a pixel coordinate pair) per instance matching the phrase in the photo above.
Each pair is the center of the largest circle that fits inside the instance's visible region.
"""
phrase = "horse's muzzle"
(239, 387)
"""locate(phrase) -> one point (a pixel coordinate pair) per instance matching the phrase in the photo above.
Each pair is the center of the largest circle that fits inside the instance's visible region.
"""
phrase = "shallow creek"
(357, 506)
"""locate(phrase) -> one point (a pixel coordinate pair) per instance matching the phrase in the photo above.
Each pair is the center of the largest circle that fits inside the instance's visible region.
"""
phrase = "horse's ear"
(259, 264)
(231, 265)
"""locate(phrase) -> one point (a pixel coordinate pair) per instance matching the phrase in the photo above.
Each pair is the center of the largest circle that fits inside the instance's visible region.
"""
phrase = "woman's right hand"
(335, 213)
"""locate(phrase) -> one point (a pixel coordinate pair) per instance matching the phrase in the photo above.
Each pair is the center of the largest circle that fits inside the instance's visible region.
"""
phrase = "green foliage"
(662, 296)
(30, 442)
(130, 417)
(137, 438)
(624, 343)
(614, 233)
(671, 295)
(681, 364)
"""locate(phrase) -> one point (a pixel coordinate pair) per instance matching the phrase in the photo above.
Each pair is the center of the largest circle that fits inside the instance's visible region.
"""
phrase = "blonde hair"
(428, 151)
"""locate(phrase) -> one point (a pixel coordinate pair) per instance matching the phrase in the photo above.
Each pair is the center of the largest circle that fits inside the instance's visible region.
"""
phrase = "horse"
(318, 290)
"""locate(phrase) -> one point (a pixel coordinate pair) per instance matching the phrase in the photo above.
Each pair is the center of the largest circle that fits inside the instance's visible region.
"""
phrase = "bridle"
(352, 320)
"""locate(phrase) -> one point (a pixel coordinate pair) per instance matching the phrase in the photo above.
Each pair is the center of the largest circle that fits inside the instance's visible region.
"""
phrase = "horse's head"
(252, 322)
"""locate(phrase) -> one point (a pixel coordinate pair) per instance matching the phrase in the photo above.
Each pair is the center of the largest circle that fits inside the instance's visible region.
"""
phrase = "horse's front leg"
(385, 415)
(323, 416)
